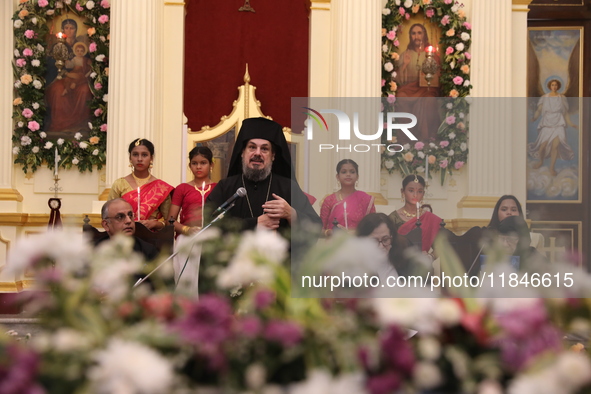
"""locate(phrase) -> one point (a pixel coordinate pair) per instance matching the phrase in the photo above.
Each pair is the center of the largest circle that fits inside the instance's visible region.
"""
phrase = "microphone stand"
(194, 238)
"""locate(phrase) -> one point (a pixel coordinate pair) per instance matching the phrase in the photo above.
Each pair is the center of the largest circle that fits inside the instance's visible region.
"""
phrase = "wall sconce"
(429, 67)
(60, 53)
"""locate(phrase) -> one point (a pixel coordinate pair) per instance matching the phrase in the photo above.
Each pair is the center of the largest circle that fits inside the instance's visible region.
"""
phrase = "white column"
(356, 72)
(133, 82)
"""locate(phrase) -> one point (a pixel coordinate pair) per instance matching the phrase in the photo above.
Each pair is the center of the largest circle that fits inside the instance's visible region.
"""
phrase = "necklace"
(248, 200)
(141, 181)
(204, 190)
(408, 214)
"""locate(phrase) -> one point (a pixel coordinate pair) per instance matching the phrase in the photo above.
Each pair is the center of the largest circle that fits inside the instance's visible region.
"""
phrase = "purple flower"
(19, 375)
(27, 113)
(384, 384)
(103, 127)
(449, 50)
(250, 326)
(92, 47)
(27, 52)
(33, 126)
(458, 165)
(264, 298)
(397, 351)
(21, 62)
(284, 332)
(103, 19)
(445, 20)
(29, 33)
(458, 80)
(42, 3)
(419, 145)
(450, 119)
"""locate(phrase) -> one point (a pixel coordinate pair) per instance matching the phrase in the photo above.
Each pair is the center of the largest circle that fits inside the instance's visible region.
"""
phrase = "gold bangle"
(185, 230)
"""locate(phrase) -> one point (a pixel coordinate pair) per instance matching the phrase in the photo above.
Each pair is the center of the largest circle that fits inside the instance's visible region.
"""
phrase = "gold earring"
(131, 165)
(402, 200)
(151, 165)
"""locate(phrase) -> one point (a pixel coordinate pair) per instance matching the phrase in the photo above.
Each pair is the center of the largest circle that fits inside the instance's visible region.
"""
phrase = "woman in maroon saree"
(149, 196)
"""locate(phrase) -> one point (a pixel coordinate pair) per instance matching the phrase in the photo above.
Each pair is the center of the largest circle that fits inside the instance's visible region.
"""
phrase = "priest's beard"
(256, 175)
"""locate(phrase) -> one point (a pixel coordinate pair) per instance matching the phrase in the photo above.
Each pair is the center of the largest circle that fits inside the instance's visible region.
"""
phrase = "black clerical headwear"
(267, 130)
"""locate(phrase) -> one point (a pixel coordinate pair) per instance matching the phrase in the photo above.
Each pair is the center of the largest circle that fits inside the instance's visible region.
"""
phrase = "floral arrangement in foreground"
(249, 336)
(32, 147)
(450, 150)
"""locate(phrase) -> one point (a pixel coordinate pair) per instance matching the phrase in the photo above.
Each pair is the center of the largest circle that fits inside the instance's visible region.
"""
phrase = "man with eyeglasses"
(117, 218)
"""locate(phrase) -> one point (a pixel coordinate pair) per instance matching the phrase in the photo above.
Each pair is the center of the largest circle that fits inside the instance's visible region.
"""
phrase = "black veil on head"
(267, 130)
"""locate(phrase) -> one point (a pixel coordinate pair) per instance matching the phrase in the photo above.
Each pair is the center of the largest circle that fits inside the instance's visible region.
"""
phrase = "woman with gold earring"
(149, 196)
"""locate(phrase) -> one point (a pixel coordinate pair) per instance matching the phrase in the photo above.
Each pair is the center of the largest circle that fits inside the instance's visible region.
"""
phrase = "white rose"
(50, 12)
(421, 154)
(25, 140)
(452, 65)
(75, 161)
(90, 5)
(100, 58)
(397, 2)
(386, 11)
(384, 48)
(105, 98)
(459, 46)
(90, 125)
(463, 146)
(389, 164)
(60, 141)
(429, 348)
(408, 3)
(34, 21)
(450, 152)
(77, 136)
(468, 99)
(467, 82)
(35, 149)
(432, 145)
(102, 38)
(18, 23)
(420, 169)
(455, 8)
(48, 145)
(35, 63)
(68, 1)
(406, 146)
(35, 105)
(394, 74)
(452, 135)
(388, 67)
(59, 4)
(40, 48)
(18, 84)
(20, 124)
(16, 53)
(95, 152)
(427, 375)
(462, 115)
(37, 84)
(465, 36)
(83, 145)
(42, 134)
(15, 150)
(93, 75)
(449, 105)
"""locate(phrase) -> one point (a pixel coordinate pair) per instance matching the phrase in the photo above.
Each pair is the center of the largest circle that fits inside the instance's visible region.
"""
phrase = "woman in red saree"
(405, 218)
(149, 196)
(348, 205)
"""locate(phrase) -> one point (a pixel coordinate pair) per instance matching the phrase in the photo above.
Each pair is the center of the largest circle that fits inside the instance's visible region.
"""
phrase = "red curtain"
(220, 40)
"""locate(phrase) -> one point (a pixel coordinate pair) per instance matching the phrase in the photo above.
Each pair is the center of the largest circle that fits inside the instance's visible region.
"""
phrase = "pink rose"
(391, 35)
(32, 125)
(450, 119)
(419, 145)
(459, 164)
(105, 4)
(97, 85)
(104, 127)
(27, 52)
(444, 144)
(383, 82)
(79, 7)
(449, 50)
(401, 11)
(445, 20)
(391, 99)
(27, 113)
(42, 3)
(458, 80)
(21, 62)
(103, 19)
(29, 33)
(468, 56)
(407, 16)
(396, 43)
(448, 1)
(443, 163)
(430, 12)
(98, 112)
(467, 25)
(92, 47)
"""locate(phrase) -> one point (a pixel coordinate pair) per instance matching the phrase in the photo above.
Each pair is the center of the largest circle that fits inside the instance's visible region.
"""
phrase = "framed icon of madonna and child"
(554, 114)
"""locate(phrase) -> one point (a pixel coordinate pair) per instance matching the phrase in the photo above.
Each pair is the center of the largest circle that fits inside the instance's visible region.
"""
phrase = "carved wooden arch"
(244, 107)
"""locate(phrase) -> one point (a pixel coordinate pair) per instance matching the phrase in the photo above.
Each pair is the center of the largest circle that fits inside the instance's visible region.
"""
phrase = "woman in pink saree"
(348, 205)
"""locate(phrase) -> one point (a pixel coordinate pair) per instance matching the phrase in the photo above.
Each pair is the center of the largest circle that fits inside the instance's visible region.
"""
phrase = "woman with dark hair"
(348, 205)
(508, 205)
(149, 196)
(381, 228)
(515, 239)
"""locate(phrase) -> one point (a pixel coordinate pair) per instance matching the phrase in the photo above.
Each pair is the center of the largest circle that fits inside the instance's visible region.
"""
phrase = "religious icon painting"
(554, 114)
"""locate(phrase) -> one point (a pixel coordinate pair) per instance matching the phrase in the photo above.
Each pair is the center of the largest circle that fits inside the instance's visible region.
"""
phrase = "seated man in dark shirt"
(117, 218)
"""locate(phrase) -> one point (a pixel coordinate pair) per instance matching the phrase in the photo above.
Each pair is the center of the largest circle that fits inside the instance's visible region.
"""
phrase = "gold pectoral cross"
(246, 7)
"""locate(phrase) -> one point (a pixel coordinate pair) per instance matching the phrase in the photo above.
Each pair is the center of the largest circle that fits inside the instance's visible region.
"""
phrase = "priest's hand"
(264, 221)
(279, 209)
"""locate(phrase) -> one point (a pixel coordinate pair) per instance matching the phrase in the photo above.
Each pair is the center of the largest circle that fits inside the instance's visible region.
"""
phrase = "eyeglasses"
(386, 241)
(509, 239)
(121, 216)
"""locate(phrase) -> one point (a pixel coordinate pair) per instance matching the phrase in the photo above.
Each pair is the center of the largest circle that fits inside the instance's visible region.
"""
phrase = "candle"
(418, 208)
(426, 168)
(429, 49)
(56, 163)
(59, 35)
(202, 202)
(138, 203)
(346, 223)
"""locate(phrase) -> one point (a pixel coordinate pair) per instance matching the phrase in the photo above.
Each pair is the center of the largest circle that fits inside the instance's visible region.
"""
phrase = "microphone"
(241, 192)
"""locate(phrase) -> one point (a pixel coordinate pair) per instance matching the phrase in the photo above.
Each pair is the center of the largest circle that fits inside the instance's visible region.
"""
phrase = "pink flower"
(250, 326)
(448, 1)
(104, 127)
(396, 43)
(98, 112)
(459, 164)
(383, 82)
(468, 56)
(401, 11)
(21, 62)
(391, 99)
(105, 4)
(29, 33)
(264, 298)
(419, 145)
(27, 113)
(103, 19)
(467, 25)
(33, 126)
(42, 3)
(391, 35)
(450, 119)
(444, 144)
(430, 12)
(458, 80)
(284, 332)
(449, 50)
(407, 16)
(92, 47)
(27, 52)
(97, 85)
(443, 163)
(445, 20)
(79, 7)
